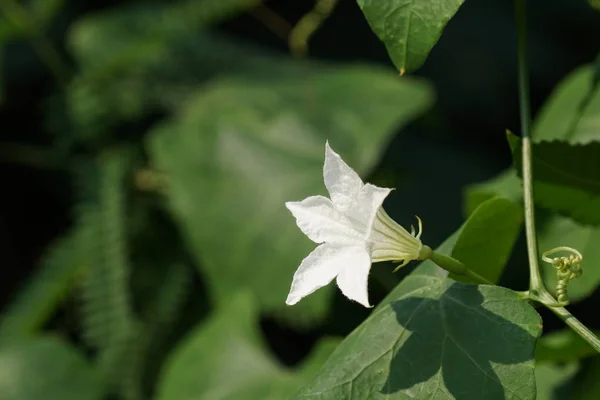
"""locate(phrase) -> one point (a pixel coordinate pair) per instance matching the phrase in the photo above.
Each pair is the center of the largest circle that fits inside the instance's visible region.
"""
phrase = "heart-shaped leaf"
(435, 338)
(225, 359)
(244, 147)
(409, 28)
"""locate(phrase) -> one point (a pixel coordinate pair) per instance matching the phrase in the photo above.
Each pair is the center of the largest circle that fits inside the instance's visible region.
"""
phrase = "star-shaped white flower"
(352, 231)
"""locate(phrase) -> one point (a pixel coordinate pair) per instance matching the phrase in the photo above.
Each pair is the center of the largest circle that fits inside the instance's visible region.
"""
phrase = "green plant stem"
(454, 266)
(308, 25)
(537, 289)
(536, 284)
(577, 326)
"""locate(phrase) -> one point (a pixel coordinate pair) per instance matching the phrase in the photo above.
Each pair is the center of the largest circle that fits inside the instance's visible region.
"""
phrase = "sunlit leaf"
(409, 29)
(435, 338)
(244, 147)
(46, 369)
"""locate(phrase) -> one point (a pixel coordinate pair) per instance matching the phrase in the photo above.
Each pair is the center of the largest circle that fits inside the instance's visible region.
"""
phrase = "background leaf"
(562, 346)
(506, 185)
(242, 148)
(37, 302)
(225, 359)
(567, 177)
(487, 238)
(46, 368)
(409, 29)
(418, 344)
(572, 113)
(554, 381)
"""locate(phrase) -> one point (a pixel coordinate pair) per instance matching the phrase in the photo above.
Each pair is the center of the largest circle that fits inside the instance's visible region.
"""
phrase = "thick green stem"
(577, 326)
(454, 266)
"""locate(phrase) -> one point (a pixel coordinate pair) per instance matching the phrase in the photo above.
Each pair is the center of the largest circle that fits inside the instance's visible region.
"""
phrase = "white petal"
(370, 199)
(318, 269)
(321, 222)
(348, 193)
(353, 278)
(342, 182)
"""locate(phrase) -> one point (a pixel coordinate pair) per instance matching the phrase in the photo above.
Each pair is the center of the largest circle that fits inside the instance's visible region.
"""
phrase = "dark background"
(473, 68)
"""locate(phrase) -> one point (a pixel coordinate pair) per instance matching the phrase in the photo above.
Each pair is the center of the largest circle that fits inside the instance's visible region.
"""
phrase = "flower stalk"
(456, 267)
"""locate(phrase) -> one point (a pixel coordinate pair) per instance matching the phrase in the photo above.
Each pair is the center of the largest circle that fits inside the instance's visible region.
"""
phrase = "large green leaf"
(487, 238)
(435, 338)
(567, 177)
(244, 147)
(48, 369)
(224, 359)
(409, 28)
(573, 111)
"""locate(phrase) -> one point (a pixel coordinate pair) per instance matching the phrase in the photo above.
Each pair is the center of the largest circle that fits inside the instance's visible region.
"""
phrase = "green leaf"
(243, 147)
(561, 231)
(409, 29)
(487, 238)
(506, 184)
(562, 346)
(435, 338)
(48, 369)
(573, 111)
(595, 4)
(130, 33)
(43, 293)
(225, 359)
(567, 177)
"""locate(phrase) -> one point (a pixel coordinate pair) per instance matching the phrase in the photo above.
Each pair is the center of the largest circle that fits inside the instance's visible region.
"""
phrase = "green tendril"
(567, 268)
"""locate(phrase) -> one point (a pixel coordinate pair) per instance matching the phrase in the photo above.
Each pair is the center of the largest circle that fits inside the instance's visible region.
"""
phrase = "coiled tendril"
(567, 268)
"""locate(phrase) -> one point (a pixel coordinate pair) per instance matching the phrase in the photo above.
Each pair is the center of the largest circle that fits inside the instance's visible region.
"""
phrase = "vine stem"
(537, 289)
(577, 326)
(536, 283)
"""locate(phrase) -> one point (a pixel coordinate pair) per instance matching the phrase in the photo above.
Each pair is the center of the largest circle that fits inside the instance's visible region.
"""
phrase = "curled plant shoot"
(567, 268)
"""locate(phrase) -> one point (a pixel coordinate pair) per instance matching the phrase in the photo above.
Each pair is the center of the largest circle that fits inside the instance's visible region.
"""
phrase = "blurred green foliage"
(175, 146)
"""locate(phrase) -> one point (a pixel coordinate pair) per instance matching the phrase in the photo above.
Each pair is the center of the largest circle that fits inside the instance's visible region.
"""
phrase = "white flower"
(352, 231)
